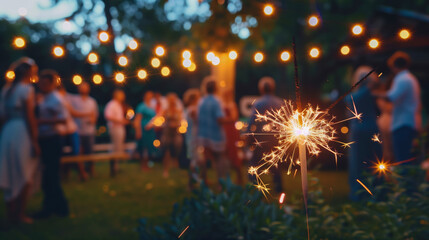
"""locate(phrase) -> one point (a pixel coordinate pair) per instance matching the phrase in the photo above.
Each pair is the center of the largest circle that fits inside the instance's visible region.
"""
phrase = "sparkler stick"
(301, 147)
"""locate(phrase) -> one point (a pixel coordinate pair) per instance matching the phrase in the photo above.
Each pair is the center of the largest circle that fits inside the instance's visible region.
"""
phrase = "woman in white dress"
(18, 140)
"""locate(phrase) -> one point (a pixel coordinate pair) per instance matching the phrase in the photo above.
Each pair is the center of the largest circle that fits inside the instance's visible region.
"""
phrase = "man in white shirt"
(405, 96)
(115, 116)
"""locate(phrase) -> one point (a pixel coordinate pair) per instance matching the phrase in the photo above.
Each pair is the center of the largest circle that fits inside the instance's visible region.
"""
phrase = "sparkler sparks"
(184, 230)
(363, 185)
(376, 138)
(282, 198)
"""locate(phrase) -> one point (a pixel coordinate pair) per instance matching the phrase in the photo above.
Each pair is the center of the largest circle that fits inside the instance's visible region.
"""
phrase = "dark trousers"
(266, 147)
(87, 146)
(403, 142)
(54, 200)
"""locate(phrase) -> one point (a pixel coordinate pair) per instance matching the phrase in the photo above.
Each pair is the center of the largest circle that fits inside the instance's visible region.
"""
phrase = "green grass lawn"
(109, 208)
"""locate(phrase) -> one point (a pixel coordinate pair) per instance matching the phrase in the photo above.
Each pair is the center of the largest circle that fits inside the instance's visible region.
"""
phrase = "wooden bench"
(101, 154)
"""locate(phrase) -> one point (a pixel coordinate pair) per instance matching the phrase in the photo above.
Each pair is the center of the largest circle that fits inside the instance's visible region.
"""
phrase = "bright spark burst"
(376, 138)
(381, 167)
(363, 185)
(310, 127)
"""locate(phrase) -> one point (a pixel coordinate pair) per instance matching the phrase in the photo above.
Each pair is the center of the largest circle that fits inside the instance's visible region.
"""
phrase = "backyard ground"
(109, 208)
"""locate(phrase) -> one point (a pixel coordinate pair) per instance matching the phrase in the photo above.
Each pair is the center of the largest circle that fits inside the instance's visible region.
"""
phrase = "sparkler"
(184, 230)
(363, 185)
(376, 138)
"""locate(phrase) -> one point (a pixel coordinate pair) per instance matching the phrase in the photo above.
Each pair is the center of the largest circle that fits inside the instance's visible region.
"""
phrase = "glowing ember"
(183, 232)
(282, 198)
(376, 138)
(363, 185)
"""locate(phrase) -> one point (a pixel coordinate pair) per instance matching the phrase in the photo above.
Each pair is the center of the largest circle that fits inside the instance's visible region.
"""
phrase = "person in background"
(145, 134)
(211, 135)
(364, 149)
(264, 143)
(198, 170)
(19, 149)
(51, 113)
(171, 140)
(405, 96)
(116, 122)
(232, 134)
(86, 123)
(69, 132)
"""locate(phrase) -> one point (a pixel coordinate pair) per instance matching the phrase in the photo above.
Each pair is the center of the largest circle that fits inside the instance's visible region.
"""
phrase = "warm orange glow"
(142, 74)
(373, 43)
(58, 51)
(313, 21)
(133, 44)
(93, 58)
(155, 62)
(268, 9)
(344, 130)
(314, 52)
(345, 50)
(165, 71)
(103, 36)
(193, 67)
(404, 34)
(363, 185)
(10, 75)
(97, 79)
(159, 51)
(123, 61)
(19, 42)
(285, 56)
(357, 29)
(239, 125)
(119, 77)
(258, 57)
(77, 79)
(156, 143)
(233, 55)
(186, 54)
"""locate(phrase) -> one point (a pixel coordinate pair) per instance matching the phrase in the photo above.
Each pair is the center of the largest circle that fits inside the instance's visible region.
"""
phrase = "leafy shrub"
(398, 210)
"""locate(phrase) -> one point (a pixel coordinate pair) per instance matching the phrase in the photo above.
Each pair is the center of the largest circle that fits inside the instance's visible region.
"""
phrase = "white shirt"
(405, 96)
(85, 105)
(114, 110)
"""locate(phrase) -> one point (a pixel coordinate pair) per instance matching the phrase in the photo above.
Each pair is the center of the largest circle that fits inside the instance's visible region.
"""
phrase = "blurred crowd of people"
(38, 123)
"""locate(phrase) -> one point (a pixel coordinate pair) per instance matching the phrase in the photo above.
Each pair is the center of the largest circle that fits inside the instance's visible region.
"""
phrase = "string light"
(10, 75)
(123, 61)
(345, 50)
(103, 36)
(373, 43)
(19, 42)
(216, 61)
(97, 79)
(186, 63)
(93, 58)
(133, 44)
(344, 130)
(77, 79)
(193, 67)
(142, 74)
(285, 56)
(404, 34)
(313, 21)
(186, 54)
(155, 62)
(314, 52)
(259, 57)
(268, 9)
(357, 29)
(210, 56)
(58, 51)
(233, 55)
(119, 77)
(156, 143)
(159, 51)
(165, 71)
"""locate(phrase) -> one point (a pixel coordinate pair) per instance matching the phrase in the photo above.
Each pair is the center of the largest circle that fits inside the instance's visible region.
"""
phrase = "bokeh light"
(193, 67)
(313, 21)
(373, 43)
(344, 130)
(123, 61)
(404, 34)
(93, 58)
(186, 54)
(19, 42)
(165, 71)
(119, 77)
(97, 79)
(314, 52)
(187, 63)
(77, 79)
(103, 36)
(10, 75)
(210, 56)
(155, 62)
(268, 9)
(156, 143)
(285, 56)
(216, 61)
(58, 51)
(133, 44)
(159, 51)
(142, 74)
(345, 50)
(233, 55)
(258, 57)
(357, 29)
